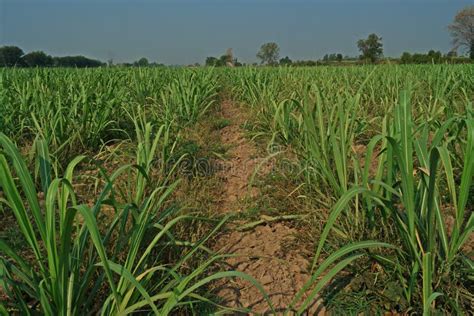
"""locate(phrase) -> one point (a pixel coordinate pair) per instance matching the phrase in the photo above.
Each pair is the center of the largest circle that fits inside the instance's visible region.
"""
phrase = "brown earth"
(260, 252)
(239, 168)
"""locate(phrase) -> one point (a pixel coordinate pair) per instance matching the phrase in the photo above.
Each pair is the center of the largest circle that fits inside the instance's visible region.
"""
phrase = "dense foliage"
(12, 56)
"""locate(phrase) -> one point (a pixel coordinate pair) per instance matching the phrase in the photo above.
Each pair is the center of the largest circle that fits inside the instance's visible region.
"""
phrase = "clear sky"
(185, 31)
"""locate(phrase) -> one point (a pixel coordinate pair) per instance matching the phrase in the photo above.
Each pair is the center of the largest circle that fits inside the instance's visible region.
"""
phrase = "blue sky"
(185, 31)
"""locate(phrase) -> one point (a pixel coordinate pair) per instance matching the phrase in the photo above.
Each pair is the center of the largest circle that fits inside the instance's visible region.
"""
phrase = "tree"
(142, 62)
(418, 58)
(434, 57)
(462, 30)
(10, 56)
(157, 64)
(286, 61)
(332, 57)
(37, 59)
(76, 61)
(211, 61)
(225, 60)
(406, 58)
(269, 53)
(452, 54)
(371, 48)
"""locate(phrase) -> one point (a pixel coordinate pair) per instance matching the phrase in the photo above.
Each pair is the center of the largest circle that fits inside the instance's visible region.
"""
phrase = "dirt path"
(240, 167)
(262, 252)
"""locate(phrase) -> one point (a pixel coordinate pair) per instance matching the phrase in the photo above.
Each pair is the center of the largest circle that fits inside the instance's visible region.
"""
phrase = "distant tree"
(142, 62)
(10, 56)
(434, 56)
(419, 58)
(406, 58)
(371, 48)
(286, 61)
(269, 53)
(110, 62)
(222, 60)
(451, 54)
(332, 57)
(156, 64)
(211, 61)
(225, 60)
(306, 63)
(76, 61)
(462, 30)
(37, 59)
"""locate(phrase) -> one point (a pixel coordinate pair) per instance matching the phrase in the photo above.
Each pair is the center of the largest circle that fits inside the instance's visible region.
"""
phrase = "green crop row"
(80, 110)
(388, 151)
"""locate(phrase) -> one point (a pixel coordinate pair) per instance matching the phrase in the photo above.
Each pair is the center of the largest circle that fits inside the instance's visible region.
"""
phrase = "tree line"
(13, 56)
(371, 49)
(142, 62)
(371, 52)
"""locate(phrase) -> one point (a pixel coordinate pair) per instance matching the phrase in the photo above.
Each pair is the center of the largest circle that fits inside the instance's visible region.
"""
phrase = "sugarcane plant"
(418, 172)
